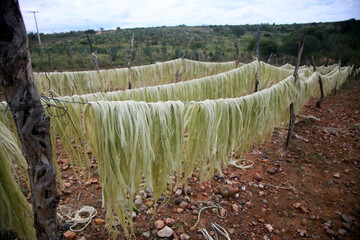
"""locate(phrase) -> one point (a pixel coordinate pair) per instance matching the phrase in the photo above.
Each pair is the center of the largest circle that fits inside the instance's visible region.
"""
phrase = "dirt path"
(323, 166)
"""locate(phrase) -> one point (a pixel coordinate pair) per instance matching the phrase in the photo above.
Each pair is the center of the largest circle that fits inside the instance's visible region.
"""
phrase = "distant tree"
(237, 30)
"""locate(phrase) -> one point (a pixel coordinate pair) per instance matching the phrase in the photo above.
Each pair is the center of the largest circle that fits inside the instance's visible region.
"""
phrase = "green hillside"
(71, 51)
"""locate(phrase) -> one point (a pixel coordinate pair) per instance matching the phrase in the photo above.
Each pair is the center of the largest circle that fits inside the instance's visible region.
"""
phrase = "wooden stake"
(186, 51)
(292, 111)
(130, 58)
(236, 55)
(32, 124)
(94, 57)
(339, 71)
(110, 55)
(257, 57)
(321, 99)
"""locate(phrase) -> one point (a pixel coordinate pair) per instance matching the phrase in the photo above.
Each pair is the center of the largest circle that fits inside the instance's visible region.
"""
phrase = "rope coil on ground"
(289, 185)
(242, 166)
(77, 217)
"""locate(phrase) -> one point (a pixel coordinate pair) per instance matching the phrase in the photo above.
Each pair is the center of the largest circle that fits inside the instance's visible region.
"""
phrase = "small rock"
(159, 224)
(272, 171)
(165, 232)
(184, 236)
(269, 228)
(347, 219)
(169, 221)
(82, 238)
(302, 232)
(178, 192)
(347, 171)
(66, 226)
(179, 200)
(336, 175)
(297, 205)
(183, 204)
(66, 167)
(150, 211)
(248, 204)
(69, 234)
(146, 234)
(235, 207)
(192, 229)
(261, 220)
(342, 231)
(227, 190)
(138, 201)
(179, 210)
(243, 188)
(227, 181)
(261, 193)
(346, 226)
(330, 232)
(222, 212)
(257, 177)
(99, 221)
(304, 209)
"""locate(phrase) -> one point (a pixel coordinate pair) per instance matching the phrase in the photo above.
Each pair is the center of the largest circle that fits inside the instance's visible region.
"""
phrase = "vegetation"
(71, 51)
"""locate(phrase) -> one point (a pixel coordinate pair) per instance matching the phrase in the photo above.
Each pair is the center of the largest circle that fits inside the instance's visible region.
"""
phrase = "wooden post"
(327, 62)
(151, 59)
(321, 99)
(94, 57)
(110, 55)
(236, 55)
(49, 58)
(130, 58)
(257, 57)
(186, 51)
(32, 124)
(339, 71)
(178, 73)
(292, 111)
(284, 60)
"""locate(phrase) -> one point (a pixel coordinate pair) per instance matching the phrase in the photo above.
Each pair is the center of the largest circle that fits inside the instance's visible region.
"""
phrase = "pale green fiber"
(15, 211)
(137, 139)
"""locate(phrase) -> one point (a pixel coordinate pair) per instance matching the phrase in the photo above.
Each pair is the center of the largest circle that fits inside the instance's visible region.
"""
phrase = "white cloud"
(66, 15)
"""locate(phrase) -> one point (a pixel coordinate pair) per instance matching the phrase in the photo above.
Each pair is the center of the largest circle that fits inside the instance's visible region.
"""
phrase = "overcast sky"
(68, 15)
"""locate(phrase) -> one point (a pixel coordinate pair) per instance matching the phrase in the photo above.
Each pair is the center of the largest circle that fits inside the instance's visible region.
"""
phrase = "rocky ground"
(311, 191)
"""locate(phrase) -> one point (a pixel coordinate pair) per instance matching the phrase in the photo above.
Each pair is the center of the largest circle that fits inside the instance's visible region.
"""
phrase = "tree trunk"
(32, 124)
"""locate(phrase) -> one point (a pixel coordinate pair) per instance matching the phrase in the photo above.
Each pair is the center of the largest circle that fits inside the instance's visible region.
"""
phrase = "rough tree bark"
(32, 123)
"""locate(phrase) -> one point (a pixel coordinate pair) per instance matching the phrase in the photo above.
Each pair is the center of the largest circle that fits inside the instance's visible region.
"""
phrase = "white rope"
(216, 227)
(77, 217)
(289, 185)
(217, 211)
(242, 166)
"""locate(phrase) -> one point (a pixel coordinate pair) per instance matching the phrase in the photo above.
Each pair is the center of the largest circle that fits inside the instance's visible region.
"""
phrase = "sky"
(75, 15)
